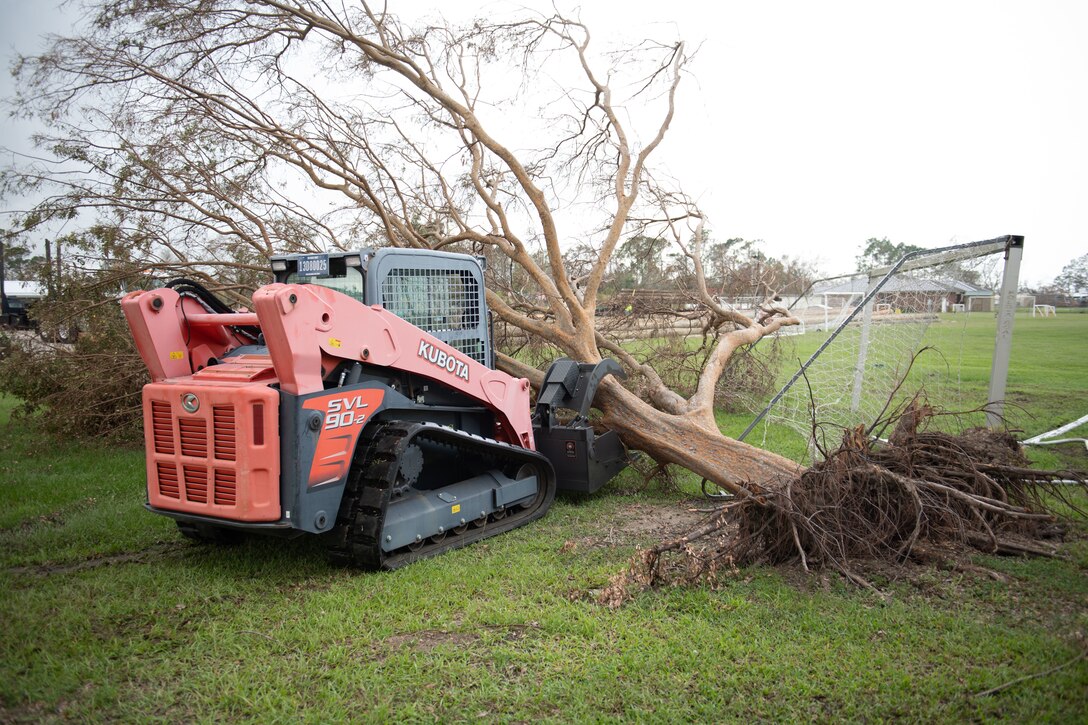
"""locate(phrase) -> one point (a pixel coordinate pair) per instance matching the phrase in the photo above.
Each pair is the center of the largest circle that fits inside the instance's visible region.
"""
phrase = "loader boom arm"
(174, 335)
(310, 329)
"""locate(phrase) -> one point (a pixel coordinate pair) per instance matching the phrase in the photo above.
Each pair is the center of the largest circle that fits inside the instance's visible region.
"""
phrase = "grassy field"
(108, 614)
(1047, 384)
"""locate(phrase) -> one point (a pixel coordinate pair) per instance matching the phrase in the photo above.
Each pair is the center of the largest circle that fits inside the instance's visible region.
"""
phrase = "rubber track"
(356, 538)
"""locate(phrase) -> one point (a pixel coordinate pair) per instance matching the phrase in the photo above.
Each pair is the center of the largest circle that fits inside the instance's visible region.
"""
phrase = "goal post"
(1006, 312)
(885, 312)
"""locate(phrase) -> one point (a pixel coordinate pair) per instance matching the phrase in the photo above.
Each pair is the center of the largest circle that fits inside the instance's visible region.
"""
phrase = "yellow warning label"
(177, 355)
(456, 509)
(334, 342)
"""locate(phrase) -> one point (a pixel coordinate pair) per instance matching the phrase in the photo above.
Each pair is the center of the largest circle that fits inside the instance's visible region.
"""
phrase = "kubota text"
(439, 358)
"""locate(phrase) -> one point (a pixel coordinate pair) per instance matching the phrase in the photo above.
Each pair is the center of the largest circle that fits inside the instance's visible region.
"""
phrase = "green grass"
(108, 614)
(1047, 384)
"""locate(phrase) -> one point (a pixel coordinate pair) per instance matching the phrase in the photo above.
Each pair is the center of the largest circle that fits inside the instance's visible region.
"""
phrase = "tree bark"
(686, 441)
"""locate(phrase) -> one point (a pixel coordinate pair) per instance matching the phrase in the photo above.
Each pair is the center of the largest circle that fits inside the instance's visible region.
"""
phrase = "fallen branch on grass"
(1025, 678)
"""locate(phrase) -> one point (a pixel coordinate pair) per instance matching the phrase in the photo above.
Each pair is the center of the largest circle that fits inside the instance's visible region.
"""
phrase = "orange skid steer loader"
(360, 402)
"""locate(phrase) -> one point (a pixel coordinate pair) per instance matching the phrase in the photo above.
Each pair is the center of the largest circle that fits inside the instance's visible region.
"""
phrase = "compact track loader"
(358, 401)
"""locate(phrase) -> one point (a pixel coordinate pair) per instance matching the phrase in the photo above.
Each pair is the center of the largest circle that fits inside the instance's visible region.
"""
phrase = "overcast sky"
(816, 125)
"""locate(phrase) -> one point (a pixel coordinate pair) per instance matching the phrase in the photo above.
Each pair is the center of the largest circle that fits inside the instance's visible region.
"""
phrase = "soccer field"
(1047, 385)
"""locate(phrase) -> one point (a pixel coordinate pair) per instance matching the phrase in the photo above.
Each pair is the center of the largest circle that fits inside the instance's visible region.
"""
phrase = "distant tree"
(739, 268)
(19, 261)
(985, 272)
(719, 261)
(1074, 277)
(642, 261)
(882, 252)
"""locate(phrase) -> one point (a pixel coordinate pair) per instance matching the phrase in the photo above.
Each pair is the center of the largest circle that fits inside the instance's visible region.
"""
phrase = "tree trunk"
(685, 441)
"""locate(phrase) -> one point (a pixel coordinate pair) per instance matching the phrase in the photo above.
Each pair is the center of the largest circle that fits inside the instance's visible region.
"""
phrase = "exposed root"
(866, 501)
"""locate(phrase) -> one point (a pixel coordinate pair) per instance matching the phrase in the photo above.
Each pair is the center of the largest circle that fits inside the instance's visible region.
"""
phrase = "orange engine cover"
(221, 459)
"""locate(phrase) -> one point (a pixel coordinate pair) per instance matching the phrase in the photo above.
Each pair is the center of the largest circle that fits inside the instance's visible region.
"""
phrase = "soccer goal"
(873, 325)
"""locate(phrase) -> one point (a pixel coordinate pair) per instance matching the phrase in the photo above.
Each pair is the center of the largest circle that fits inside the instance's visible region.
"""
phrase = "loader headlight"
(279, 265)
(190, 402)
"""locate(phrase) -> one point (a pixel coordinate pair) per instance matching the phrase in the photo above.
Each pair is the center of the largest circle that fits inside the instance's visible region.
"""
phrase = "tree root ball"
(908, 498)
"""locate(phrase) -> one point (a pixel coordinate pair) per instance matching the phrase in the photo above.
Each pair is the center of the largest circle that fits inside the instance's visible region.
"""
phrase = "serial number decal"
(441, 359)
(313, 265)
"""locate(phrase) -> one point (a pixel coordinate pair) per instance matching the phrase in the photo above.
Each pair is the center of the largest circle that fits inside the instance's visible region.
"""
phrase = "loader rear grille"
(162, 427)
(168, 480)
(220, 460)
(201, 481)
(196, 483)
(226, 487)
(223, 432)
(224, 483)
(194, 437)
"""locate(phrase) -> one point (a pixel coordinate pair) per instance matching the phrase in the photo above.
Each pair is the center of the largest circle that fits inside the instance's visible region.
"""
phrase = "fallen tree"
(198, 137)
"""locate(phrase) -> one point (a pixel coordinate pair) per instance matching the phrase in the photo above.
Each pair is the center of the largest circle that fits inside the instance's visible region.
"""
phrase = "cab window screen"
(443, 302)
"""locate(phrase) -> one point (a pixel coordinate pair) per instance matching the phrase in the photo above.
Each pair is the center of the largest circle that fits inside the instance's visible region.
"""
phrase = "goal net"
(866, 346)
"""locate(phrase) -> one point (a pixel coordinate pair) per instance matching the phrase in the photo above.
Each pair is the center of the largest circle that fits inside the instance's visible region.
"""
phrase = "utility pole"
(49, 268)
(3, 295)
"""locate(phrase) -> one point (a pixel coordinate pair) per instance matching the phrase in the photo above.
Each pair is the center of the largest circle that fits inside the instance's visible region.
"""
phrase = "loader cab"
(441, 293)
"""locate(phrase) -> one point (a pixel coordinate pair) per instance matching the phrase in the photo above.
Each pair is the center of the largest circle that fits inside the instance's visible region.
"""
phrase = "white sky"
(816, 125)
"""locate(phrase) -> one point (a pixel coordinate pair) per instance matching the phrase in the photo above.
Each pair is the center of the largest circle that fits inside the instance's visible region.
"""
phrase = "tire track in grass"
(143, 556)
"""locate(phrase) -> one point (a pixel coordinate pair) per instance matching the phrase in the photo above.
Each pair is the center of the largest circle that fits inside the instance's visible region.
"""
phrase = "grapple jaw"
(583, 459)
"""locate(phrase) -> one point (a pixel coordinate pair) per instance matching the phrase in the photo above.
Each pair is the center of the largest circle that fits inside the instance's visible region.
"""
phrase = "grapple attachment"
(583, 460)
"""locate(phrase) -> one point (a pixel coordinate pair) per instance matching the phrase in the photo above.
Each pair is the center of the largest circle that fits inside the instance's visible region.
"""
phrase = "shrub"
(90, 388)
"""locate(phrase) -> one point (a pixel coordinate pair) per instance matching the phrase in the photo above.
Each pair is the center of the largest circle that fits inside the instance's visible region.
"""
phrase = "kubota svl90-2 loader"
(358, 401)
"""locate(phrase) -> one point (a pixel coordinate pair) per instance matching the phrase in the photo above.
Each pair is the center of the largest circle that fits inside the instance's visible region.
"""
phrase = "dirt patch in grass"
(34, 712)
(427, 640)
(1072, 455)
(53, 518)
(642, 523)
(653, 520)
